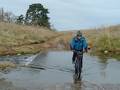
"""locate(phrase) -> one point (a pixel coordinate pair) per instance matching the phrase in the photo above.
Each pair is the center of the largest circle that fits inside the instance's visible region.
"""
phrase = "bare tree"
(1, 14)
(7, 16)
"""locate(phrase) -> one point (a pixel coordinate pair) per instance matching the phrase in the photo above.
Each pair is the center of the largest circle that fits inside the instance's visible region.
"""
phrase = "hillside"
(20, 38)
(101, 40)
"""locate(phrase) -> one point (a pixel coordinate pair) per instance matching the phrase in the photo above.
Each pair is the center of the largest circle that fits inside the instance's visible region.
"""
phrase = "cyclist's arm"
(72, 44)
(85, 45)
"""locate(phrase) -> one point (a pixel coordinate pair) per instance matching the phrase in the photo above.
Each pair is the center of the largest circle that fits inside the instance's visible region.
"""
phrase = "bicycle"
(78, 64)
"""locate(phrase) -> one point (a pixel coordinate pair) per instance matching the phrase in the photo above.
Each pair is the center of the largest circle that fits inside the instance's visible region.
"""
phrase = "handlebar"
(79, 52)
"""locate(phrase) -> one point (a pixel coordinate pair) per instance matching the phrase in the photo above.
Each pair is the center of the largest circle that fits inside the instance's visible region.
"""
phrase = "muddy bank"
(7, 66)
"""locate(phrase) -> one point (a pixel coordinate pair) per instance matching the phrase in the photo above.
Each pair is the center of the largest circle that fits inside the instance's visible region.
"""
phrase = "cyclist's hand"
(73, 50)
(85, 50)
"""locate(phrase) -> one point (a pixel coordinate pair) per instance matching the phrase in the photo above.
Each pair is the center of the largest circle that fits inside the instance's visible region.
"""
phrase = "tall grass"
(12, 34)
(23, 39)
(108, 42)
(101, 39)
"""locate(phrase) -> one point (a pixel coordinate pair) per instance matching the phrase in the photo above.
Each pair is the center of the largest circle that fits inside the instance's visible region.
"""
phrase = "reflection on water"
(6, 85)
(105, 57)
(54, 71)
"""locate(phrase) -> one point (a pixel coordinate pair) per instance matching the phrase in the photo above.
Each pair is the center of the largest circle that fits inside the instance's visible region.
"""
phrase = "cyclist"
(78, 43)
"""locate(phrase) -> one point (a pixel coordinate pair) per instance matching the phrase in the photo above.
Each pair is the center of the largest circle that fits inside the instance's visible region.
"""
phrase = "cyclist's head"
(79, 34)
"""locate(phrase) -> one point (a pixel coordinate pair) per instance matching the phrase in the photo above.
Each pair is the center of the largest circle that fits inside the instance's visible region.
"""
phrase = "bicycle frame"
(78, 64)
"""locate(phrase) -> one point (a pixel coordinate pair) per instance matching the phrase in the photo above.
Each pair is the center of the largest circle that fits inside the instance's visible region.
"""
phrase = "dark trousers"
(74, 57)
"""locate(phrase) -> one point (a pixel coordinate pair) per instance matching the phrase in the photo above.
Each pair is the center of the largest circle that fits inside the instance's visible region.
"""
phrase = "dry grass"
(18, 38)
(12, 34)
(100, 39)
(109, 39)
(28, 39)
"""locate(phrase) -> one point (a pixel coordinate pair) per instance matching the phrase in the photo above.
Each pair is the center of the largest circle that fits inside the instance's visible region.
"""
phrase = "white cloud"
(68, 14)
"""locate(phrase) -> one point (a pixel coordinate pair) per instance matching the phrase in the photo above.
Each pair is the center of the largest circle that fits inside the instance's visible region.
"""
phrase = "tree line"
(36, 15)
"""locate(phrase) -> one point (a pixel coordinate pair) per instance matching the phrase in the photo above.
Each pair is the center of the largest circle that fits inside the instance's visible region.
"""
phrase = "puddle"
(54, 71)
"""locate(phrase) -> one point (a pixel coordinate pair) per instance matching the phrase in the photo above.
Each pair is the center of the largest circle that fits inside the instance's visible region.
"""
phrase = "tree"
(9, 17)
(37, 15)
(1, 14)
(20, 19)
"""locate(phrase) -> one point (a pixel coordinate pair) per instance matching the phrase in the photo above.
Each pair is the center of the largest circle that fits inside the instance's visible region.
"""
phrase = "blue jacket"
(78, 44)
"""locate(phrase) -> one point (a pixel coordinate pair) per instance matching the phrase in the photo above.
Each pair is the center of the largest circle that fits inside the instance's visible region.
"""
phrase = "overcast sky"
(72, 14)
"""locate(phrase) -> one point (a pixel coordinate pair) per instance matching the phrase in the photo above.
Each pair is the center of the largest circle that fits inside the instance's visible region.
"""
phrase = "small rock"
(105, 52)
(18, 54)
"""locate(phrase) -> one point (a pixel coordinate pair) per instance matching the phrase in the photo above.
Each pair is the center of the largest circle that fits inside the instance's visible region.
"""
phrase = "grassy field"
(107, 43)
(102, 41)
(109, 40)
(22, 39)
(12, 34)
